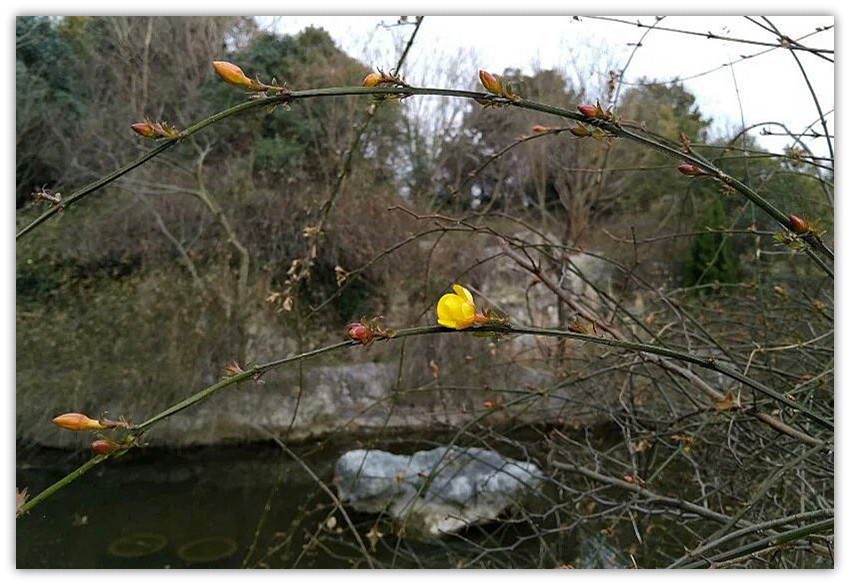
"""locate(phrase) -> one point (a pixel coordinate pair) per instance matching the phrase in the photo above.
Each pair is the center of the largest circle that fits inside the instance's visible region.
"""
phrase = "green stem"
(252, 373)
(258, 370)
(30, 504)
(94, 186)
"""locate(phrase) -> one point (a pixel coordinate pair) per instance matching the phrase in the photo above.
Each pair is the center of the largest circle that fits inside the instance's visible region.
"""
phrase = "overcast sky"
(764, 87)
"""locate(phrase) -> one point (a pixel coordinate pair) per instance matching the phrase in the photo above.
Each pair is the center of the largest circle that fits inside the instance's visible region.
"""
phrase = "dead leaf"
(311, 231)
(727, 403)
(341, 274)
(232, 369)
(374, 536)
(435, 369)
(20, 499)
(641, 446)
(633, 479)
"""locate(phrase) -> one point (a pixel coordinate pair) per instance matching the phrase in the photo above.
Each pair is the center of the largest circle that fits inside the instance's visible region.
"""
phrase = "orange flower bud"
(74, 421)
(687, 169)
(103, 446)
(372, 80)
(144, 129)
(359, 332)
(798, 225)
(490, 82)
(231, 74)
(538, 128)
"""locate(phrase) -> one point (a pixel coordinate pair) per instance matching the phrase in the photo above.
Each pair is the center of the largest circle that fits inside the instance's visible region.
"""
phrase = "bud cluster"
(234, 75)
(148, 129)
(232, 368)
(582, 131)
(382, 78)
(798, 225)
(367, 332)
(390, 79)
(598, 112)
(105, 446)
(690, 170)
(74, 421)
(495, 86)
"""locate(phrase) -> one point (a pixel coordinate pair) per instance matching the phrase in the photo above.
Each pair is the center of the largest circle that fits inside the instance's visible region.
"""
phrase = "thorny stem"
(256, 371)
(614, 129)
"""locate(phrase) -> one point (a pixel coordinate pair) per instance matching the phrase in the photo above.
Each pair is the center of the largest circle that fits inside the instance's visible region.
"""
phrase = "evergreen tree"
(710, 259)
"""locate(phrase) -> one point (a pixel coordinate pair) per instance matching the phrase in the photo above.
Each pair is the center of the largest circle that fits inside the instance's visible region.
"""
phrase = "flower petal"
(448, 309)
(464, 294)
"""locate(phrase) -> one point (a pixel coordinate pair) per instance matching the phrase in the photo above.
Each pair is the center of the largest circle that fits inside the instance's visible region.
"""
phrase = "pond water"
(254, 506)
(229, 507)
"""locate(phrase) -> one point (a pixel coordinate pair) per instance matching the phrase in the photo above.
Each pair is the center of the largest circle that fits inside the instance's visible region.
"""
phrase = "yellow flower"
(456, 310)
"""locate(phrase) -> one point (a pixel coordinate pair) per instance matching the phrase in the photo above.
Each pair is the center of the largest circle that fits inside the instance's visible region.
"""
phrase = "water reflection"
(231, 507)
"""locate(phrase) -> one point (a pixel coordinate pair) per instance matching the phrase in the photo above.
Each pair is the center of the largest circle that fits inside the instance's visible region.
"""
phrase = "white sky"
(770, 86)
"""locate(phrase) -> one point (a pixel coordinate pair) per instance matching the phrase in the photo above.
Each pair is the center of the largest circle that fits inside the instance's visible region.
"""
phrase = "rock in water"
(437, 491)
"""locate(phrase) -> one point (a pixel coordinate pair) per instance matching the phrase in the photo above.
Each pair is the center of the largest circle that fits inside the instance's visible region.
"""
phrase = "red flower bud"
(687, 169)
(798, 225)
(144, 129)
(103, 446)
(150, 129)
(360, 333)
(490, 82)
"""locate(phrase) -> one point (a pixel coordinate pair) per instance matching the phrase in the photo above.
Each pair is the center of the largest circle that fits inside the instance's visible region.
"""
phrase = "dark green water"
(229, 507)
